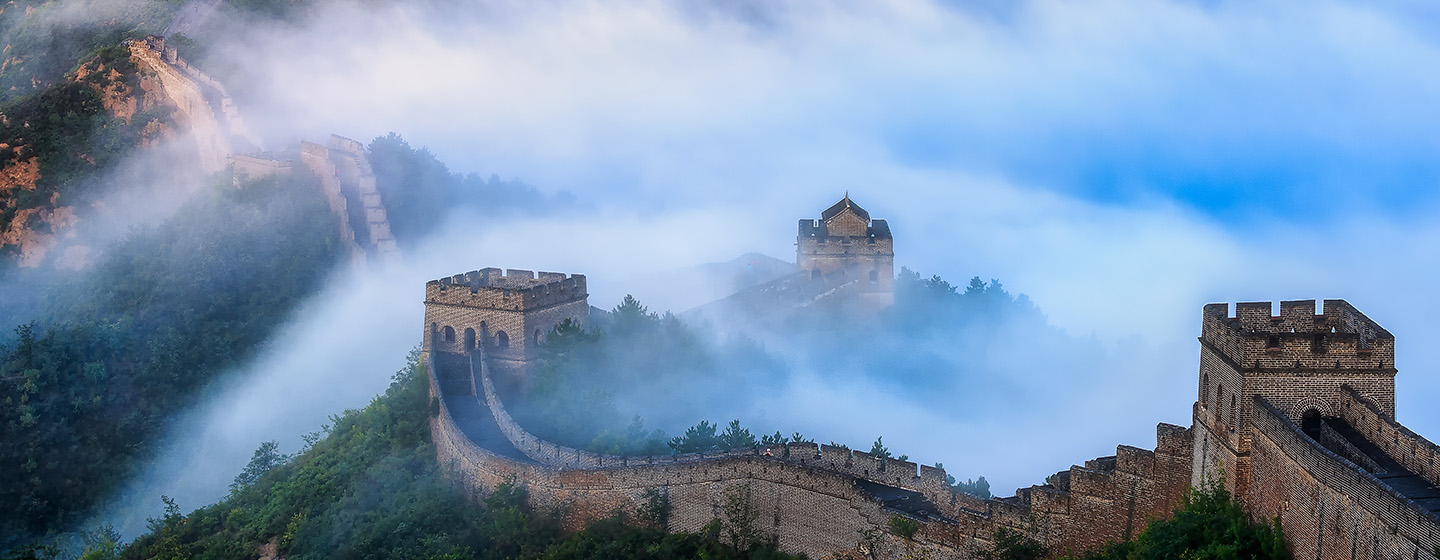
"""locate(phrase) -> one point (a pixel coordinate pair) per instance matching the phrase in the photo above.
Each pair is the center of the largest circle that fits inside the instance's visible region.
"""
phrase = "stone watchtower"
(846, 247)
(1296, 361)
(508, 313)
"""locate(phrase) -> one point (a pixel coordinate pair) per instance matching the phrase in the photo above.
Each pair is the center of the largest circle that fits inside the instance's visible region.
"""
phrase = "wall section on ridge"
(807, 496)
(1329, 507)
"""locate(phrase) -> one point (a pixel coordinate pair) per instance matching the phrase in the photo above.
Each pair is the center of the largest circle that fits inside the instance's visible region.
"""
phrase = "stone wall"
(802, 509)
(507, 311)
(812, 502)
(317, 159)
(357, 181)
(1329, 507)
(1297, 360)
(193, 108)
(1408, 448)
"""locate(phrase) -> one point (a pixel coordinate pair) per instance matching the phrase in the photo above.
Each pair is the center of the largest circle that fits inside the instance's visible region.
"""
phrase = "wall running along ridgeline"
(815, 499)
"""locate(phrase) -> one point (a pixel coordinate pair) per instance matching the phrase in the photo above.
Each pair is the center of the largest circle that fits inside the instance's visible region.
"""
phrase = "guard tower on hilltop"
(507, 314)
(845, 246)
(1299, 364)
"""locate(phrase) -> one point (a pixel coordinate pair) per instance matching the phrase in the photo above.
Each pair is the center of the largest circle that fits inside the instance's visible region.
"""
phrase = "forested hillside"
(369, 488)
(87, 385)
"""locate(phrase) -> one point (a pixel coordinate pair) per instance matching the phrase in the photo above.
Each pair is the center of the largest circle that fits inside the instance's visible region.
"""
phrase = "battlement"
(1339, 338)
(512, 289)
(817, 230)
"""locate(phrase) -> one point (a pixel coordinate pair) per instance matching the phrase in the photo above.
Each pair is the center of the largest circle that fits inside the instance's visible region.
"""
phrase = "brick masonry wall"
(1297, 360)
(812, 502)
(1408, 448)
(515, 303)
(1328, 506)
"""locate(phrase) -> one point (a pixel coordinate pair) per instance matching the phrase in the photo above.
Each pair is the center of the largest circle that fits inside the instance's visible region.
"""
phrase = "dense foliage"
(170, 308)
(419, 190)
(371, 489)
(72, 138)
(45, 39)
(572, 396)
(1208, 525)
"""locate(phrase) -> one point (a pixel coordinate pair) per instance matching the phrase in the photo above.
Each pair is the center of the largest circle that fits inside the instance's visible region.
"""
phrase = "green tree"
(655, 509)
(700, 437)
(1209, 524)
(740, 516)
(630, 316)
(1014, 545)
(903, 527)
(735, 437)
(878, 449)
(266, 457)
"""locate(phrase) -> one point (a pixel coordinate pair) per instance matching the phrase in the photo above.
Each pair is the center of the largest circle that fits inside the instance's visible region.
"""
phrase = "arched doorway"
(469, 339)
(1311, 423)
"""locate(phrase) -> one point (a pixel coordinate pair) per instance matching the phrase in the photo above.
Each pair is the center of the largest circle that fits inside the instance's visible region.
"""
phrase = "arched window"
(1234, 412)
(502, 338)
(449, 334)
(469, 339)
(1220, 401)
(874, 277)
(1204, 387)
(815, 274)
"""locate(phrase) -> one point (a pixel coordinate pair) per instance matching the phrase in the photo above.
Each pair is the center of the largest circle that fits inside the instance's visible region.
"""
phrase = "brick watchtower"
(1297, 361)
(846, 246)
(506, 312)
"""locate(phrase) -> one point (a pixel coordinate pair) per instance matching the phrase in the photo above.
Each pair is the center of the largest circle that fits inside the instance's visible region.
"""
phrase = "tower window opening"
(1317, 344)
(1272, 341)
(469, 339)
(502, 339)
(1234, 412)
(874, 277)
(449, 334)
(1220, 401)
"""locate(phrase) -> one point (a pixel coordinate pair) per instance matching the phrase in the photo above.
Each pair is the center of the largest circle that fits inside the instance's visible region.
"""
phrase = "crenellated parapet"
(508, 313)
(1298, 340)
(507, 290)
(1107, 499)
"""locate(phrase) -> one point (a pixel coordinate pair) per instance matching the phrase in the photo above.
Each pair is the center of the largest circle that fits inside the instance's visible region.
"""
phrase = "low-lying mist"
(1119, 174)
(1012, 395)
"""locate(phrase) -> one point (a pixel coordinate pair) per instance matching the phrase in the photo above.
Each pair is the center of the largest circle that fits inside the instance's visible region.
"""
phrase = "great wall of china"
(223, 141)
(1294, 416)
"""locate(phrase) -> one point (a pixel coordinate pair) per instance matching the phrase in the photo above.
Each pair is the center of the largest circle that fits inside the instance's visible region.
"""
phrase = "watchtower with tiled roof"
(846, 247)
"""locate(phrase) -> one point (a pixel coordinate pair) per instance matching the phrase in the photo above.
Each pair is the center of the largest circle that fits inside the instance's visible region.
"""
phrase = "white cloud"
(1054, 149)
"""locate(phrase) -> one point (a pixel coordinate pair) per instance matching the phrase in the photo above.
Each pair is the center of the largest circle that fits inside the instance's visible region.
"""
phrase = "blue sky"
(1123, 162)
